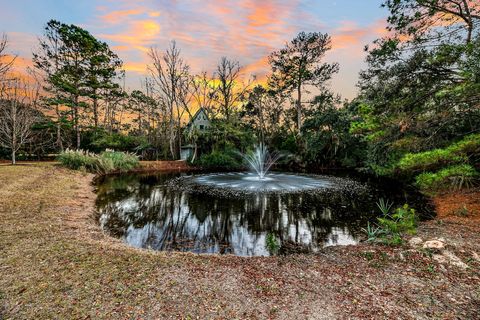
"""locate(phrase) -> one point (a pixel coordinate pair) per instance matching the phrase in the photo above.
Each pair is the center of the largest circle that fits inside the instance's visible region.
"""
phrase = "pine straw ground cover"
(55, 263)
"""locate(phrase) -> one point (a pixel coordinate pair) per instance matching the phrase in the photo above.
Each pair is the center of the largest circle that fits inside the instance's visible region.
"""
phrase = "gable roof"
(195, 116)
(199, 111)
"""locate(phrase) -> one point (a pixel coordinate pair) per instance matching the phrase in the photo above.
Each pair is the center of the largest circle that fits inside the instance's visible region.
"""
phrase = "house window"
(201, 127)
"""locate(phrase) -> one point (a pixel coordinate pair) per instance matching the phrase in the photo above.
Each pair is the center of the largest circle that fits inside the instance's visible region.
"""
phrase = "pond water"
(151, 211)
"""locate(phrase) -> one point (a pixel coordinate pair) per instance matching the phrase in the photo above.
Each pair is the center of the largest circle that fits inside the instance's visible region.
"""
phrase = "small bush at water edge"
(391, 227)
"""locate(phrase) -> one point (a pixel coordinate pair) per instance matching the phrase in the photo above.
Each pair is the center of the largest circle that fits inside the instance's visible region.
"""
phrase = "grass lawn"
(55, 262)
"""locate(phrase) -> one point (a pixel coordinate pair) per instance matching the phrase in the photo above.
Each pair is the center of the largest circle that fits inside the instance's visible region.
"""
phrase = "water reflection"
(146, 213)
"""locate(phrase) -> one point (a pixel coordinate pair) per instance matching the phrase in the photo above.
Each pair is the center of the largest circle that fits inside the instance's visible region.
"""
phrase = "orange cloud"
(247, 31)
(139, 67)
(146, 29)
(154, 14)
(119, 15)
(262, 14)
(139, 35)
(20, 64)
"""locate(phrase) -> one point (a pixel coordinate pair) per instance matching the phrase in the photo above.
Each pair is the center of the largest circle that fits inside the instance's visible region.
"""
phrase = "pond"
(160, 212)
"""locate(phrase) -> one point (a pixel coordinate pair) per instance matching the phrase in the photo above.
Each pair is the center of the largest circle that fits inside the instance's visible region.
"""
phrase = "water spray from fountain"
(260, 179)
(260, 160)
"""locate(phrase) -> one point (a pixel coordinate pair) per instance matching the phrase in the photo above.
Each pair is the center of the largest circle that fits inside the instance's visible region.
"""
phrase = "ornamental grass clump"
(122, 161)
(78, 160)
(106, 162)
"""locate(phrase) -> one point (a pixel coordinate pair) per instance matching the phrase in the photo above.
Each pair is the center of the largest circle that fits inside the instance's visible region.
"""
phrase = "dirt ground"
(55, 263)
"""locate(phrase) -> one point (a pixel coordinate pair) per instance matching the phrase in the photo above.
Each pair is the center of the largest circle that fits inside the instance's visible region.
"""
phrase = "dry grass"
(56, 263)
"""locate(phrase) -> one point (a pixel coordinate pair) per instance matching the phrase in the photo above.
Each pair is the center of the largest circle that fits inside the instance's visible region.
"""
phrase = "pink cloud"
(350, 34)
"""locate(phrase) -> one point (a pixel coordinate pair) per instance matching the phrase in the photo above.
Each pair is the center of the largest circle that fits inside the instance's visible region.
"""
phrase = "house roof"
(201, 110)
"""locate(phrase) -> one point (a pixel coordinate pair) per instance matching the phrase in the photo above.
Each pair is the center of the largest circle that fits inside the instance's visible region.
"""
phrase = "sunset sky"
(204, 30)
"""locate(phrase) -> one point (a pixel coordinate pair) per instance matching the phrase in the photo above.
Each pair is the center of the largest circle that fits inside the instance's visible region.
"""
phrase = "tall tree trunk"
(262, 122)
(149, 121)
(78, 137)
(227, 112)
(172, 133)
(467, 17)
(59, 137)
(195, 150)
(95, 111)
(59, 141)
(14, 131)
(76, 121)
(299, 108)
(140, 122)
(469, 31)
(179, 128)
(172, 142)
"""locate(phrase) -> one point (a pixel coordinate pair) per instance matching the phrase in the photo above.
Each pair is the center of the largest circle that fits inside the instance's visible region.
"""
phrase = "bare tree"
(17, 114)
(230, 89)
(205, 93)
(171, 73)
(5, 62)
(151, 106)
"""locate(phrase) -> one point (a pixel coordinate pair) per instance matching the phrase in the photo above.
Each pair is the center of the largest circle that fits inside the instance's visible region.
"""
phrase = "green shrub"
(220, 160)
(402, 221)
(469, 145)
(429, 160)
(454, 177)
(272, 244)
(391, 227)
(99, 140)
(107, 161)
(458, 153)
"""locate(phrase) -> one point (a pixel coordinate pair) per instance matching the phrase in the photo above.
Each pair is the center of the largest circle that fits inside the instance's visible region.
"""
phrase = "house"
(200, 122)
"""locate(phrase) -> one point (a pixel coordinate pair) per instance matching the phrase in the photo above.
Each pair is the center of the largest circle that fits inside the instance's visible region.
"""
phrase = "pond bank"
(57, 263)
(152, 166)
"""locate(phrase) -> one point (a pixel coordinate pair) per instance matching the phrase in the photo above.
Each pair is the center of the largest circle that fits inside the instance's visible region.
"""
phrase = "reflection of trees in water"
(148, 214)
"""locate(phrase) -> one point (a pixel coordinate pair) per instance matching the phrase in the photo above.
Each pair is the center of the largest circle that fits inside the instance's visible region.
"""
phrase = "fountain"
(261, 160)
(258, 179)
